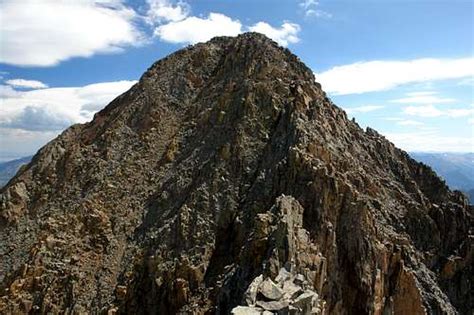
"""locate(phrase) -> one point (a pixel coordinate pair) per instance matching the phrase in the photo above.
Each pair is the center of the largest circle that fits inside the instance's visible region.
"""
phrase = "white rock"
(306, 301)
(270, 290)
(291, 290)
(283, 275)
(250, 295)
(246, 310)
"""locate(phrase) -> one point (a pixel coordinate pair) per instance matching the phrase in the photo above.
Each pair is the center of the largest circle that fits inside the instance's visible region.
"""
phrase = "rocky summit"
(227, 182)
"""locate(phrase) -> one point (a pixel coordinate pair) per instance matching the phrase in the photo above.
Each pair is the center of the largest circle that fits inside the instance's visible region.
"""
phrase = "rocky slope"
(226, 181)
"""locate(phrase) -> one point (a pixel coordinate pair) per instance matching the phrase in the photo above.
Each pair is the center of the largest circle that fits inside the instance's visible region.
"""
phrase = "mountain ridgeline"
(225, 181)
(10, 168)
(456, 168)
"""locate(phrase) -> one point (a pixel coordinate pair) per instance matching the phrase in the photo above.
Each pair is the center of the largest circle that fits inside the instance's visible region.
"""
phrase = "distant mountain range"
(457, 169)
(8, 169)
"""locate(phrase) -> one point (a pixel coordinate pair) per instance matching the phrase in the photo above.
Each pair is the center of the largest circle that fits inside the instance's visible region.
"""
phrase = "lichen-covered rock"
(227, 162)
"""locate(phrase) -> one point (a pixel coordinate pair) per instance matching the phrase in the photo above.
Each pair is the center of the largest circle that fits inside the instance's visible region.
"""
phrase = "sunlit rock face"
(225, 181)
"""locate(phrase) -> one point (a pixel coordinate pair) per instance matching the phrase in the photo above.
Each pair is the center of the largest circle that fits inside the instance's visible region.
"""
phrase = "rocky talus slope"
(225, 181)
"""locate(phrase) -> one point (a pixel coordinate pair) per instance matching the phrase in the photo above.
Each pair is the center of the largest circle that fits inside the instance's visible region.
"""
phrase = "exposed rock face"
(226, 163)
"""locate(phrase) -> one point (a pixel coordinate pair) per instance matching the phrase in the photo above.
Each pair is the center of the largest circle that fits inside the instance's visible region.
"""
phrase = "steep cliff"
(226, 180)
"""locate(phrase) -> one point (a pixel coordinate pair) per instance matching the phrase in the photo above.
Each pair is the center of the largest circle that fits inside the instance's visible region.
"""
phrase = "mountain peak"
(252, 37)
(225, 180)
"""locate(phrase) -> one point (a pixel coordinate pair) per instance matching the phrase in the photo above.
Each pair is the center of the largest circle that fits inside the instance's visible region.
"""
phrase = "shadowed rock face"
(227, 163)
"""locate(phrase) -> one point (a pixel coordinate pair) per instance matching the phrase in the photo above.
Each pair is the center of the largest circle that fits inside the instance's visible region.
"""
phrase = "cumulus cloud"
(56, 108)
(38, 119)
(44, 33)
(165, 11)
(286, 34)
(174, 24)
(29, 119)
(194, 29)
(432, 111)
(371, 76)
(7, 91)
(362, 109)
(47, 33)
(29, 84)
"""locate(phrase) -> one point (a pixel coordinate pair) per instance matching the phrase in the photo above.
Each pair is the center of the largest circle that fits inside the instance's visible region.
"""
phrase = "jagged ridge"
(226, 162)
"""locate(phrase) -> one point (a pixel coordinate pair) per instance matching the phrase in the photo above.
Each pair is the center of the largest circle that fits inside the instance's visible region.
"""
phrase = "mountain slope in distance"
(456, 168)
(10, 168)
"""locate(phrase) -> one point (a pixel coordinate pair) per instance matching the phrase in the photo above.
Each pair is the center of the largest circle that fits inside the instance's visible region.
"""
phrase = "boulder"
(250, 295)
(305, 302)
(270, 290)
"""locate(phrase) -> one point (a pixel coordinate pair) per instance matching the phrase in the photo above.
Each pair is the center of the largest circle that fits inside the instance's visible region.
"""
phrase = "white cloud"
(370, 76)
(308, 3)
(194, 29)
(423, 111)
(408, 122)
(286, 34)
(29, 119)
(432, 111)
(311, 10)
(29, 84)
(56, 108)
(471, 121)
(17, 143)
(404, 122)
(431, 140)
(421, 93)
(362, 109)
(318, 14)
(44, 33)
(7, 91)
(174, 25)
(164, 11)
(459, 112)
(428, 97)
(36, 118)
(468, 81)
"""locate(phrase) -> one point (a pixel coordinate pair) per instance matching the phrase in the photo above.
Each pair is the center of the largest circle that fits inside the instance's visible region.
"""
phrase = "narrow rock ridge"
(223, 181)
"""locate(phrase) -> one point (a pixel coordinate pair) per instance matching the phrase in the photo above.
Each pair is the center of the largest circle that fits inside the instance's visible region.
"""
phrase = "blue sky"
(405, 68)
